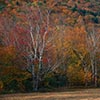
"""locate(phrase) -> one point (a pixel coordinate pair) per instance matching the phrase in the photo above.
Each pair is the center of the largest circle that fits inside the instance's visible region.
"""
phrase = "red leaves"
(44, 61)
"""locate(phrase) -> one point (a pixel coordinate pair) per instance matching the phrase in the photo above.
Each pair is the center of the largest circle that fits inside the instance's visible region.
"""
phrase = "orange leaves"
(76, 37)
(77, 76)
(51, 3)
(9, 5)
(14, 11)
(7, 54)
(10, 50)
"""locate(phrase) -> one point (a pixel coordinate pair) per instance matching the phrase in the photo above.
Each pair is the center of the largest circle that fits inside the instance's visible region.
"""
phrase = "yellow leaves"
(1, 85)
(58, 28)
(75, 75)
(14, 73)
(34, 3)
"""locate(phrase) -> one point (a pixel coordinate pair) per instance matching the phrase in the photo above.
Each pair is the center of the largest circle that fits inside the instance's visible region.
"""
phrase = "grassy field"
(78, 94)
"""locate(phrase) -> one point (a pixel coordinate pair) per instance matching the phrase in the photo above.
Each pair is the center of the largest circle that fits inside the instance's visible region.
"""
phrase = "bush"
(12, 87)
(55, 80)
(28, 85)
(75, 75)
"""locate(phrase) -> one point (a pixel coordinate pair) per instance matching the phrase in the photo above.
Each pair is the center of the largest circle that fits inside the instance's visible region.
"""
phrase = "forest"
(48, 44)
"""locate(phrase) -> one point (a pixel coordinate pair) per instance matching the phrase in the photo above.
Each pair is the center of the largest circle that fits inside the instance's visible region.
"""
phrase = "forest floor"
(75, 94)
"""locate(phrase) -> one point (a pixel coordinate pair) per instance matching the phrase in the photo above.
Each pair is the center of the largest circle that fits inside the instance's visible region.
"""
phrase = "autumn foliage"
(49, 43)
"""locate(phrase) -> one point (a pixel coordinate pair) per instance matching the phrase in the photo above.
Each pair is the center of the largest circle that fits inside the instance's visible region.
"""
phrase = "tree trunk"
(33, 76)
(35, 84)
(36, 76)
(95, 74)
(86, 79)
(34, 79)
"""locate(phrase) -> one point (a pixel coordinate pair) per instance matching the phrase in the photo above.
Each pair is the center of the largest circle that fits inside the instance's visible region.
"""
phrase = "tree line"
(38, 51)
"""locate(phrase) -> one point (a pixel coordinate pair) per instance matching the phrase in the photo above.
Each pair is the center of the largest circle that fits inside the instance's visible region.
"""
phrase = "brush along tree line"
(45, 44)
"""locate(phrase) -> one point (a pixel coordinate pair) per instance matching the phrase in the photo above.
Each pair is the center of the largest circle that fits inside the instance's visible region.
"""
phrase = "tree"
(31, 34)
(93, 39)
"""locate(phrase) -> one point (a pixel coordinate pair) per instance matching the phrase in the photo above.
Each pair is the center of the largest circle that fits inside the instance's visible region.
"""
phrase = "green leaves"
(39, 3)
(2, 6)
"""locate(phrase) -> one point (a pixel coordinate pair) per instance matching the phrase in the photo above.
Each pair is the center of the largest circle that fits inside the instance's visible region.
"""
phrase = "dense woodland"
(47, 44)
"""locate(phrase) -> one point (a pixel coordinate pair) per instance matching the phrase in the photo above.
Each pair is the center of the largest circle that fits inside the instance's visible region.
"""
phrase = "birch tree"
(93, 39)
(32, 35)
(36, 23)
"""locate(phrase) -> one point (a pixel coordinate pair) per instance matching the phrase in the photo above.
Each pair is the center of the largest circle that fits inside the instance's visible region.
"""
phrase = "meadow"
(78, 94)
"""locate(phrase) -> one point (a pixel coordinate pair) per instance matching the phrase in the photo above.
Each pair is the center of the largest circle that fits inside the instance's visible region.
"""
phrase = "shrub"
(75, 75)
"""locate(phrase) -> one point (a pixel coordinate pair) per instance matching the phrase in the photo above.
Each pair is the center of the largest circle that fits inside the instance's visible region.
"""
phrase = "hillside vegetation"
(47, 44)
